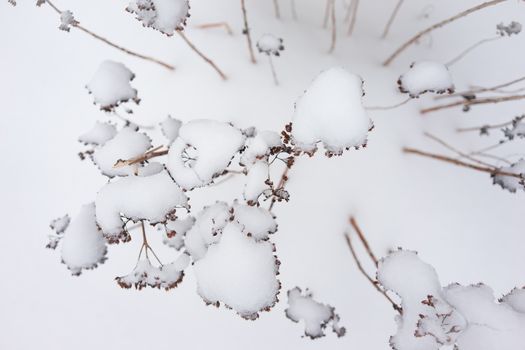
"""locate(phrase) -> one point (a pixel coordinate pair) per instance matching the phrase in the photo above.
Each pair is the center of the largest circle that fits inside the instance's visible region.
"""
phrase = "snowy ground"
(469, 230)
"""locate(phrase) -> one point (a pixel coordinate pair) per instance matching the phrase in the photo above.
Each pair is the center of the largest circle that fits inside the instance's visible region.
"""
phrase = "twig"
(274, 74)
(485, 127)
(246, 31)
(327, 9)
(370, 279)
(280, 185)
(468, 103)
(224, 25)
(391, 19)
(490, 170)
(142, 158)
(204, 57)
(276, 9)
(415, 38)
(357, 229)
(110, 43)
(334, 28)
(389, 107)
(355, 5)
(470, 48)
(481, 90)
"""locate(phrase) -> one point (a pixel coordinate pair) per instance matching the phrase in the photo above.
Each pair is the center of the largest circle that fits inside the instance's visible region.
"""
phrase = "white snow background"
(468, 229)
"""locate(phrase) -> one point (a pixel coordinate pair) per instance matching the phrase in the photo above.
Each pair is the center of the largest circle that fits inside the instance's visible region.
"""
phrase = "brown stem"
(467, 103)
(334, 28)
(391, 106)
(481, 90)
(142, 158)
(391, 19)
(112, 44)
(490, 170)
(486, 127)
(327, 10)
(370, 279)
(416, 38)
(355, 5)
(204, 57)
(357, 229)
(246, 31)
(224, 25)
(280, 185)
(276, 9)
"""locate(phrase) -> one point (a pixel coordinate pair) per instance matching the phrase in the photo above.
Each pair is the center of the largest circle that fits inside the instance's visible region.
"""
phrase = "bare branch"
(204, 57)
(246, 31)
(481, 90)
(391, 19)
(354, 224)
(391, 106)
(354, 5)
(416, 38)
(469, 49)
(334, 27)
(471, 102)
(276, 9)
(224, 25)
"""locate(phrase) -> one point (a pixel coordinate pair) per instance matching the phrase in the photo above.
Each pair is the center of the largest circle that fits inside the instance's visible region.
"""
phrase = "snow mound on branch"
(467, 317)
(256, 182)
(125, 145)
(166, 16)
(145, 274)
(151, 168)
(509, 183)
(207, 229)
(426, 76)
(239, 272)
(515, 299)
(176, 232)
(331, 112)
(153, 198)
(59, 225)
(170, 128)
(111, 86)
(203, 150)
(83, 245)
(256, 222)
(260, 146)
(99, 134)
(316, 316)
(270, 45)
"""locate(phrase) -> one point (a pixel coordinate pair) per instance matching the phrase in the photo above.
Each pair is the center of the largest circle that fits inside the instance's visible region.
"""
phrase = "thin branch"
(370, 279)
(246, 31)
(490, 170)
(485, 127)
(155, 152)
(204, 57)
(416, 38)
(334, 28)
(470, 48)
(391, 106)
(357, 229)
(468, 103)
(276, 9)
(110, 43)
(274, 74)
(327, 9)
(280, 185)
(355, 5)
(481, 90)
(224, 25)
(391, 19)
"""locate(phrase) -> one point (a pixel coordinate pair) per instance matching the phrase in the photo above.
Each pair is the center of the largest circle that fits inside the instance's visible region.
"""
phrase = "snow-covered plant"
(426, 76)
(67, 20)
(228, 245)
(166, 16)
(513, 28)
(271, 45)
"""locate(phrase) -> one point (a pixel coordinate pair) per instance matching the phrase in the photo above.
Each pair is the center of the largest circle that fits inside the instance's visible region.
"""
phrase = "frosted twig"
(354, 6)
(491, 170)
(204, 57)
(357, 229)
(470, 48)
(364, 273)
(334, 27)
(391, 19)
(472, 102)
(246, 31)
(224, 25)
(77, 25)
(422, 33)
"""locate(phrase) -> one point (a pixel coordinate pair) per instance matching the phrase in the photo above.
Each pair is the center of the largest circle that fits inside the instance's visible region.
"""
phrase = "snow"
(260, 146)
(203, 150)
(426, 76)
(170, 128)
(145, 274)
(270, 45)
(209, 223)
(316, 316)
(125, 145)
(153, 198)
(175, 231)
(83, 245)
(59, 225)
(256, 222)
(111, 86)
(239, 272)
(515, 299)
(256, 182)
(331, 112)
(509, 183)
(166, 16)
(99, 134)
